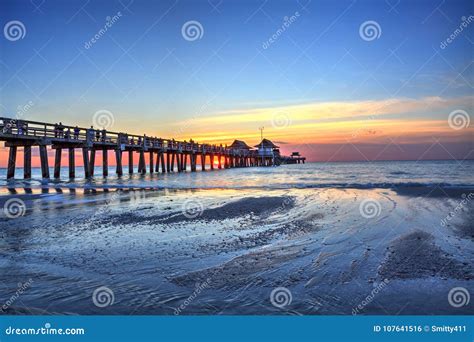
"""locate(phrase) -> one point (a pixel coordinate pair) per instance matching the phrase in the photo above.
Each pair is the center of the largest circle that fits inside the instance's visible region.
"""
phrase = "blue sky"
(143, 70)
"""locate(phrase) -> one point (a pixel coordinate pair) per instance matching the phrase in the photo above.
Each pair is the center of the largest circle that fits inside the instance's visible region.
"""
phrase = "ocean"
(339, 238)
(359, 175)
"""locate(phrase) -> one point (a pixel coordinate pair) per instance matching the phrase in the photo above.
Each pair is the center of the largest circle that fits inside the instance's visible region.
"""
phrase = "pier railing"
(27, 129)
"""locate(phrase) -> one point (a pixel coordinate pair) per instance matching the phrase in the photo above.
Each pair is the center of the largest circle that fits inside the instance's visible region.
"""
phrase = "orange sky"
(321, 129)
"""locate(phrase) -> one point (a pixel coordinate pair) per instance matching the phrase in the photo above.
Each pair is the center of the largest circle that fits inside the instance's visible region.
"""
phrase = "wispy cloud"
(337, 110)
(335, 121)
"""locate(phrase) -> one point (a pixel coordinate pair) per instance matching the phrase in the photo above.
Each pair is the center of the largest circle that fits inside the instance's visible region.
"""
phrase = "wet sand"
(237, 246)
(416, 255)
(246, 206)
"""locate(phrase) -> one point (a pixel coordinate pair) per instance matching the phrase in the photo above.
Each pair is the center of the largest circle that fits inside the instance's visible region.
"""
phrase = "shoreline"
(404, 189)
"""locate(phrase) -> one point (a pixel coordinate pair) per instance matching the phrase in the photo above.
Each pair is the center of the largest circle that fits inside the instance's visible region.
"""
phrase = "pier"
(165, 155)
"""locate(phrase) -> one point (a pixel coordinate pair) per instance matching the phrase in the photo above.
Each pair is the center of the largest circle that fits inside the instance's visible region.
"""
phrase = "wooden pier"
(165, 155)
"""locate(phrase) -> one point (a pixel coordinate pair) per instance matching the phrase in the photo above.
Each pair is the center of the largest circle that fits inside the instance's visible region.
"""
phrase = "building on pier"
(241, 146)
(266, 148)
(294, 158)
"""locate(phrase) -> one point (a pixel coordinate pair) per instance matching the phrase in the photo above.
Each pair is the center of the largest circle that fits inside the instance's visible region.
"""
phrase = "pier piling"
(105, 162)
(57, 163)
(130, 161)
(27, 162)
(72, 162)
(11, 162)
(151, 162)
(44, 161)
(118, 161)
(92, 163)
(85, 161)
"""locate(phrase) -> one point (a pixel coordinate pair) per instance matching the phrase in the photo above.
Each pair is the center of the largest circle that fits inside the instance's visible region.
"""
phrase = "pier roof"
(240, 145)
(265, 143)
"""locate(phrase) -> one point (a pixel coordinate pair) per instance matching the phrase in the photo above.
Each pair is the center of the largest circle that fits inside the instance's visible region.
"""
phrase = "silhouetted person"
(61, 130)
(76, 133)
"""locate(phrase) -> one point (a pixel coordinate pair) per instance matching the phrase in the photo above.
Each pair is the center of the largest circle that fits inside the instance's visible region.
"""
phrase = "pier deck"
(165, 155)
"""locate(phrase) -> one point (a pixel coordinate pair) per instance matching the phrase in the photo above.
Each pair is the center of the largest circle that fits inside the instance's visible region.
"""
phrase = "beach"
(280, 241)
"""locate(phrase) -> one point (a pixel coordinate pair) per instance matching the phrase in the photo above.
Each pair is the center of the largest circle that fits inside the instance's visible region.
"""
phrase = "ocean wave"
(399, 173)
(148, 187)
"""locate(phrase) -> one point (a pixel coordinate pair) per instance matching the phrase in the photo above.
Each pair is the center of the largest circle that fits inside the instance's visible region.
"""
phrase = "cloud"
(332, 111)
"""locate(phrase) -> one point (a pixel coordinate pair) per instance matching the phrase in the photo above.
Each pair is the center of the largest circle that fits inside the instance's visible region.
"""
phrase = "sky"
(335, 80)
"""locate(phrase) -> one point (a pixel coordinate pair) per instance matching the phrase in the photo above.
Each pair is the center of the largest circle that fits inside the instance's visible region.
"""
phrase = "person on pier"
(97, 135)
(60, 130)
(19, 126)
(76, 133)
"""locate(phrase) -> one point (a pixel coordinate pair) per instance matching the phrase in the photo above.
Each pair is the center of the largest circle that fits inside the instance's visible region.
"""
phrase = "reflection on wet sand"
(153, 248)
